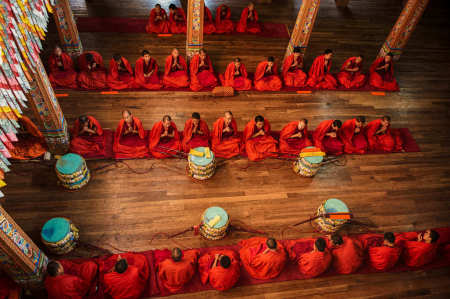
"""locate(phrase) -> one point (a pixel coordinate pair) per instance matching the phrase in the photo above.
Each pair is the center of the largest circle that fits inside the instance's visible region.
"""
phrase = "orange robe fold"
(87, 145)
(177, 27)
(223, 21)
(159, 26)
(225, 145)
(348, 257)
(293, 145)
(329, 145)
(208, 22)
(174, 275)
(120, 79)
(259, 265)
(202, 77)
(30, 145)
(174, 76)
(259, 147)
(351, 79)
(62, 75)
(219, 278)
(170, 144)
(246, 25)
(192, 140)
(387, 142)
(382, 79)
(310, 263)
(354, 143)
(238, 82)
(140, 68)
(320, 78)
(381, 257)
(415, 253)
(267, 81)
(293, 76)
(94, 78)
(131, 145)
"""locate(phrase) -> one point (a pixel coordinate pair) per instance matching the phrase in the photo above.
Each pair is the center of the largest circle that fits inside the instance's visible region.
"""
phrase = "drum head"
(55, 230)
(334, 205)
(212, 212)
(201, 161)
(69, 163)
(313, 159)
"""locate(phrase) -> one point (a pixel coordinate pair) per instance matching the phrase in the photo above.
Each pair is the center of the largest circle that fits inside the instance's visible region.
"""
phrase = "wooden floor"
(121, 209)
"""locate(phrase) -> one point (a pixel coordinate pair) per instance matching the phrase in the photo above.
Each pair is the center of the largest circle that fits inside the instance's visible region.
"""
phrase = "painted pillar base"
(194, 36)
(67, 28)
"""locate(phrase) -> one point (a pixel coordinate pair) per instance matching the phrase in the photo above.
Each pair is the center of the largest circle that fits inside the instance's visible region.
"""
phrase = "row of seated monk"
(200, 74)
(127, 275)
(256, 141)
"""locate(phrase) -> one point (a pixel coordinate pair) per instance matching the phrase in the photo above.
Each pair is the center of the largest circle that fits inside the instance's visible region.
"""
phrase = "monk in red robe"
(92, 73)
(225, 140)
(419, 249)
(257, 141)
(129, 138)
(236, 76)
(175, 272)
(319, 73)
(350, 75)
(221, 268)
(383, 253)
(347, 254)
(294, 137)
(382, 74)
(263, 258)
(293, 73)
(266, 76)
(177, 19)
(175, 73)
(352, 135)
(248, 23)
(381, 137)
(66, 279)
(312, 256)
(61, 70)
(125, 275)
(158, 22)
(87, 137)
(208, 22)
(8, 288)
(146, 72)
(326, 137)
(120, 75)
(164, 139)
(224, 25)
(195, 134)
(202, 72)
(31, 143)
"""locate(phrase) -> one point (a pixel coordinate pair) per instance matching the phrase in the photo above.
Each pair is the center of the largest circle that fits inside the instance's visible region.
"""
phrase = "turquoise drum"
(201, 163)
(308, 166)
(215, 223)
(60, 235)
(332, 205)
(72, 171)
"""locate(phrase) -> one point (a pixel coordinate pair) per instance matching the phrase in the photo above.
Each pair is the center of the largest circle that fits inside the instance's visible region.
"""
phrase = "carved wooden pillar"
(403, 28)
(194, 34)
(303, 26)
(67, 28)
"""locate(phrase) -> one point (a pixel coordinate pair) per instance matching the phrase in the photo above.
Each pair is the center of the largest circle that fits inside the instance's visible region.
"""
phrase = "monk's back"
(63, 287)
(127, 285)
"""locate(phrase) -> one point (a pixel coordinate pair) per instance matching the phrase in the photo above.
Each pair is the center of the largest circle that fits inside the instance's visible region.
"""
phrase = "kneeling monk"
(195, 134)
(266, 76)
(319, 73)
(157, 22)
(225, 140)
(352, 135)
(177, 19)
(129, 138)
(382, 74)
(66, 279)
(208, 22)
(381, 137)
(311, 263)
(382, 251)
(347, 254)
(8, 288)
(262, 258)
(164, 139)
(419, 249)
(202, 72)
(293, 73)
(249, 20)
(120, 74)
(175, 272)
(146, 72)
(224, 25)
(294, 137)
(236, 76)
(87, 137)
(31, 143)
(327, 139)
(257, 141)
(62, 72)
(221, 268)
(92, 73)
(350, 75)
(175, 73)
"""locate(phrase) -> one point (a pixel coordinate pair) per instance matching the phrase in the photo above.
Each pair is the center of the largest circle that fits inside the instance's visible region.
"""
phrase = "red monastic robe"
(219, 278)
(177, 27)
(208, 22)
(131, 145)
(224, 25)
(293, 145)
(94, 78)
(320, 78)
(387, 142)
(382, 79)
(381, 257)
(225, 145)
(415, 253)
(351, 79)
(329, 145)
(174, 76)
(140, 68)
(87, 145)
(238, 82)
(170, 144)
(310, 263)
(62, 75)
(259, 265)
(8, 288)
(122, 79)
(245, 25)
(260, 147)
(31, 145)
(191, 140)
(354, 143)
(293, 76)
(174, 275)
(202, 77)
(157, 26)
(348, 257)
(267, 81)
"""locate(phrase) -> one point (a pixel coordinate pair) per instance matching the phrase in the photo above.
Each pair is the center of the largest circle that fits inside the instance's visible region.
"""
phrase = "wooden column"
(20, 258)
(303, 26)
(194, 34)
(403, 28)
(67, 28)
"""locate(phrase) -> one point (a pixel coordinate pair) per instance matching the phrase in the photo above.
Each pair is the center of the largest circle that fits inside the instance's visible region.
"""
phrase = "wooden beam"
(194, 33)
(67, 28)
